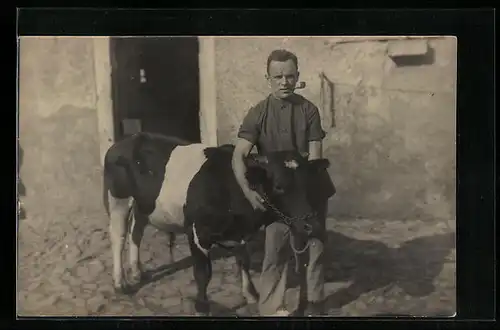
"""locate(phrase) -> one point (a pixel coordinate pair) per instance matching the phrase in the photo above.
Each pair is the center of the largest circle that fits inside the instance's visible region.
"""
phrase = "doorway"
(155, 86)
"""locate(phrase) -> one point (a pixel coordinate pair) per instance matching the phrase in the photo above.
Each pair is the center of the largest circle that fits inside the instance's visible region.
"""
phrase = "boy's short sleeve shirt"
(275, 125)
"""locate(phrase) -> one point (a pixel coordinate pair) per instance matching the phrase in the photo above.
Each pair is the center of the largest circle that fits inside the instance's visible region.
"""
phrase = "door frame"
(104, 95)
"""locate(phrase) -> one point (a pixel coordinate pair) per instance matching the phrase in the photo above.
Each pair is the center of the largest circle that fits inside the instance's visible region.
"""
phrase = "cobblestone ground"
(374, 268)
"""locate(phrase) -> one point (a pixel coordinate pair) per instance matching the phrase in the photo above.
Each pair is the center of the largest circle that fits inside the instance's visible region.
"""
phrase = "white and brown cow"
(191, 189)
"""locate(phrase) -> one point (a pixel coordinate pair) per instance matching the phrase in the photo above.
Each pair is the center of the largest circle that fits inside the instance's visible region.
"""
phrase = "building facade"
(388, 106)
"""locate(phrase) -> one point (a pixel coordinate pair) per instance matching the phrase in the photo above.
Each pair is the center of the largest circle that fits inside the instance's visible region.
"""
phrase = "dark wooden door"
(156, 81)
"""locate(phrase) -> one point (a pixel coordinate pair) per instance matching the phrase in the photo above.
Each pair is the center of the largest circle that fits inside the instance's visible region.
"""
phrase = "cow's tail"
(105, 197)
(171, 244)
(105, 193)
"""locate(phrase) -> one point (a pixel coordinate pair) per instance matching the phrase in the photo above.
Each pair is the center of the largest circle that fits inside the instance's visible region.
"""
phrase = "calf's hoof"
(202, 308)
(250, 294)
(119, 290)
(124, 289)
(119, 284)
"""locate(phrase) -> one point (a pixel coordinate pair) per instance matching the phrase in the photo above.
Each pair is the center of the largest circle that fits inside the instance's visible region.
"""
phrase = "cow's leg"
(202, 270)
(248, 290)
(139, 222)
(119, 210)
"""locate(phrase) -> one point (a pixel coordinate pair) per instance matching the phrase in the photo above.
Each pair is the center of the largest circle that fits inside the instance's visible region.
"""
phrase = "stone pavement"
(374, 268)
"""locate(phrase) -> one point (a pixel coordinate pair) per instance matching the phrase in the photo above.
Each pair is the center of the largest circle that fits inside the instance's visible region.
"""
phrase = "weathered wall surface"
(58, 129)
(392, 147)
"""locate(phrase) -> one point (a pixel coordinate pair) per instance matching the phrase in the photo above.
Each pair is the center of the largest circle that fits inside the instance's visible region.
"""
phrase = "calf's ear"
(319, 164)
(321, 186)
(212, 152)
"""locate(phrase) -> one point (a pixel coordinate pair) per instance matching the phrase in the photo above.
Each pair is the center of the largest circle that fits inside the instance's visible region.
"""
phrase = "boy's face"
(282, 78)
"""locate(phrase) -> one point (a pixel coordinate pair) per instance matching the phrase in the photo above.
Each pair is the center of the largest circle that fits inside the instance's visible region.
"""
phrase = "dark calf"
(220, 212)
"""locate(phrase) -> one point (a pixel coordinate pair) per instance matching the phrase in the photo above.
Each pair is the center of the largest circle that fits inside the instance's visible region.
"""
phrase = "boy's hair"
(282, 55)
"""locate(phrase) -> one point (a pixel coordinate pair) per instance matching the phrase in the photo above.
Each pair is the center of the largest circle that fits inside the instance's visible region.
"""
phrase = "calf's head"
(286, 178)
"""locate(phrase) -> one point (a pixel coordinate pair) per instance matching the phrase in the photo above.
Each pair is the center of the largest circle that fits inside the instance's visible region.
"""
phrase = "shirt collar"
(292, 99)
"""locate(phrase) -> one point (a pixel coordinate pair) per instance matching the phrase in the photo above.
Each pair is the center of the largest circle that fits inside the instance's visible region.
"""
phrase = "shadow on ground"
(371, 265)
(156, 274)
(368, 265)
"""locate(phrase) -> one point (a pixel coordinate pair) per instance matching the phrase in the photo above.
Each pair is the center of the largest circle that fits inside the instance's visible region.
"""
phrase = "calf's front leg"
(248, 290)
(202, 271)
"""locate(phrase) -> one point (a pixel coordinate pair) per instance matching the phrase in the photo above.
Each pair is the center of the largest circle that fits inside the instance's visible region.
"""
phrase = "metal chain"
(288, 221)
